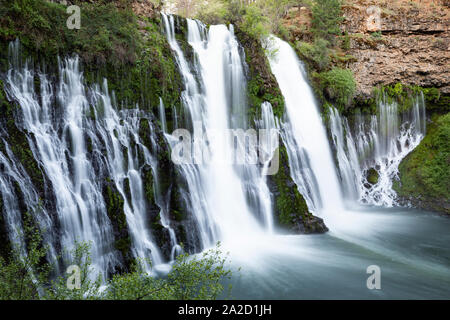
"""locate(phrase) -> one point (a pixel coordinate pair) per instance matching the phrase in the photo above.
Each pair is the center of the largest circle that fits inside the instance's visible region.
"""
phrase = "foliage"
(90, 285)
(19, 273)
(425, 173)
(339, 85)
(263, 17)
(198, 278)
(404, 95)
(214, 11)
(26, 277)
(255, 23)
(106, 33)
(345, 42)
(326, 18)
(377, 35)
(262, 85)
(317, 53)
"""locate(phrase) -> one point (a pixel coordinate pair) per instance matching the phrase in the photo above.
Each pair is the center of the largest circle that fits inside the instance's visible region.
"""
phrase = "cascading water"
(12, 175)
(80, 139)
(119, 135)
(80, 207)
(376, 144)
(227, 200)
(304, 135)
(59, 126)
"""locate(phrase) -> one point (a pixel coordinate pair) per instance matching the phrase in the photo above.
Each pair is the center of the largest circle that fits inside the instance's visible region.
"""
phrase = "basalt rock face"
(412, 48)
(389, 42)
(310, 224)
(290, 208)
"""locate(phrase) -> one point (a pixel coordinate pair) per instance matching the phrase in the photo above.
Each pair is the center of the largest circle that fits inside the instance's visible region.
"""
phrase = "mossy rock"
(290, 210)
(372, 176)
(424, 175)
(18, 142)
(262, 85)
(5, 245)
(116, 214)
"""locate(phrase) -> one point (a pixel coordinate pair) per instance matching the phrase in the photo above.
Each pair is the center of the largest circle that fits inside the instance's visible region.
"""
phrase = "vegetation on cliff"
(424, 174)
(113, 42)
(404, 95)
(290, 208)
(130, 51)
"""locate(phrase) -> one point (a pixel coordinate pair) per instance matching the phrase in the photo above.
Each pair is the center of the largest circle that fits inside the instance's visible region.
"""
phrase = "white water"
(229, 202)
(118, 135)
(12, 175)
(407, 245)
(377, 142)
(79, 203)
(304, 135)
(58, 124)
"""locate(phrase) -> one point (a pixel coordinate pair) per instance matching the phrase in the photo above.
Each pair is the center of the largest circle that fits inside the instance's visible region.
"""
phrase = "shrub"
(326, 17)
(317, 53)
(339, 85)
(191, 277)
(254, 23)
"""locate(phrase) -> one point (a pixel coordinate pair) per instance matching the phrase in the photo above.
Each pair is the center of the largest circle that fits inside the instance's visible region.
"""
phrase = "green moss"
(115, 211)
(405, 96)
(18, 143)
(363, 106)
(372, 176)
(5, 245)
(156, 225)
(154, 74)
(147, 177)
(339, 86)
(315, 54)
(137, 62)
(262, 85)
(106, 33)
(290, 206)
(123, 245)
(425, 172)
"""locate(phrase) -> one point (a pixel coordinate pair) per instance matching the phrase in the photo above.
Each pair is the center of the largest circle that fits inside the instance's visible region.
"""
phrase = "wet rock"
(309, 224)
(372, 176)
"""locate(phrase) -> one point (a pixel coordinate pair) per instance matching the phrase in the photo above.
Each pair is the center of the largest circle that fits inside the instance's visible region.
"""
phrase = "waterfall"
(13, 175)
(376, 143)
(269, 143)
(58, 143)
(120, 135)
(80, 140)
(304, 135)
(228, 200)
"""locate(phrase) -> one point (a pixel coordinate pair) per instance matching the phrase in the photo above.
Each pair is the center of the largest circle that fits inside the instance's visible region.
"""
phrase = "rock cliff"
(390, 41)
